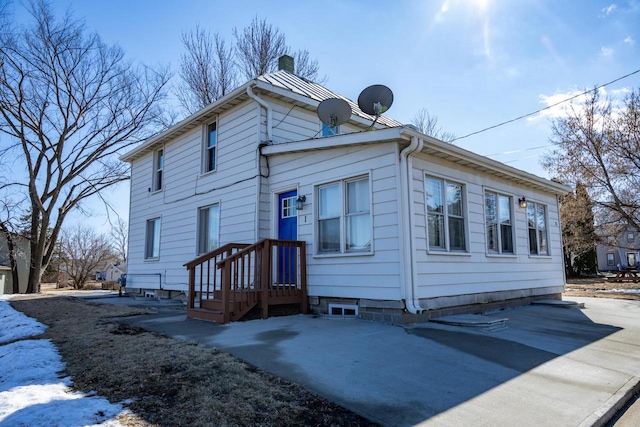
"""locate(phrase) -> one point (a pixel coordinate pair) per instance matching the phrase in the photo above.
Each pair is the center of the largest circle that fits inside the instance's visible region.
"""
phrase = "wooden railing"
(269, 272)
(204, 274)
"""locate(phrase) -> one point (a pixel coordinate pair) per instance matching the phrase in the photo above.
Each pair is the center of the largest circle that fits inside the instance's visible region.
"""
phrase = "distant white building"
(398, 226)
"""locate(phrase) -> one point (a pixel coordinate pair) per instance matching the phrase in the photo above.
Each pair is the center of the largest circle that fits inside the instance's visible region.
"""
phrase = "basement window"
(343, 310)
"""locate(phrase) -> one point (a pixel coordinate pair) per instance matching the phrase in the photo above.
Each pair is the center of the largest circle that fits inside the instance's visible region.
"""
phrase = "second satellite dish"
(334, 111)
(375, 100)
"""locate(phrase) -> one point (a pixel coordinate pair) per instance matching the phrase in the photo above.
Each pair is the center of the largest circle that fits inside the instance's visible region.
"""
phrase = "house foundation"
(395, 312)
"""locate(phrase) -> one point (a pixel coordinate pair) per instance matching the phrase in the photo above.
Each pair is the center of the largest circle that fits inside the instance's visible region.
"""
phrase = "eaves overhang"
(432, 146)
(191, 122)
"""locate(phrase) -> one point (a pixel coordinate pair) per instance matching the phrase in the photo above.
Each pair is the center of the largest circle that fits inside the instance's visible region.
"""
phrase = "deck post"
(226, 285)
(192, 288)
(304, 304)
(265, 279)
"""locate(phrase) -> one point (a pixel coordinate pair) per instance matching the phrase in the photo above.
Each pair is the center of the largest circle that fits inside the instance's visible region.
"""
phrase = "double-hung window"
(445, 215)
(208, 228)
(158, 166)
(344, 216)
(209, 150)
(537, 224)
(499, 222)
(152, 239)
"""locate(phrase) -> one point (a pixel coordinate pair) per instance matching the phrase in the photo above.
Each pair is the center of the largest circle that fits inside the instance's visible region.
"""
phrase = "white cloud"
(606, 51)
(574, 98)
(609, 9)
(629, 40)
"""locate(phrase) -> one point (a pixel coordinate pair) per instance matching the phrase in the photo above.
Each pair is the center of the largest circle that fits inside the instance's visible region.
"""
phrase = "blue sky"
(472, 63)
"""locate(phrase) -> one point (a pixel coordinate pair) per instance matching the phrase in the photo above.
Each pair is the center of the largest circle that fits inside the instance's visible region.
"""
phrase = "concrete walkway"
(550, 367)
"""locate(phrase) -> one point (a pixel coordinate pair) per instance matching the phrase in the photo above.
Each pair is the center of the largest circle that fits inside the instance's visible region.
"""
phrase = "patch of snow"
(624, 291)
(15, 325)
(31, 391)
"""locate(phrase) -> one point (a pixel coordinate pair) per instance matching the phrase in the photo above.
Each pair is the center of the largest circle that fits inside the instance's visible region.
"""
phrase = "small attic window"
(330, 130)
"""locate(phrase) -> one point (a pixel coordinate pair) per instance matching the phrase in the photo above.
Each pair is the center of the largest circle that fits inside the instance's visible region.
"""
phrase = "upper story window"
(610, 259)
(158, 166)
(152, 239)
(630, 237)
(445, 215)
(537, 224)
(499, 222)
(328, 130)
(344, 216)
(209, 150)
(208, 228)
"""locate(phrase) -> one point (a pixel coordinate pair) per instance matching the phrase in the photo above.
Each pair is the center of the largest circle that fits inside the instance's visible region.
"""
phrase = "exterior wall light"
(300, 202)
(523, 202)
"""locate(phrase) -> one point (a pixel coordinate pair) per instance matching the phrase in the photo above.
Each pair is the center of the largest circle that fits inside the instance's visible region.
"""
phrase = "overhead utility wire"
(547, 107)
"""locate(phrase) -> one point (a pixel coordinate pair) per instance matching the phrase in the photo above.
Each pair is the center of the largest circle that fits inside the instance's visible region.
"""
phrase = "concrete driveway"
(550, 367)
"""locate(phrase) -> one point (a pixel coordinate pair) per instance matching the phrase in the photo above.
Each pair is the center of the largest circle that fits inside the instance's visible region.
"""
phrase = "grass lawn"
(169, 382)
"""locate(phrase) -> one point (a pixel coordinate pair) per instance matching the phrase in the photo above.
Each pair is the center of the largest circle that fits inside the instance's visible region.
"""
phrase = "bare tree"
(307, 67)
(82, 252)
(258, 47)
(68, 105)
(207, 70)
(579, 237)
(428, 124)
(120, 238)
(598, 144)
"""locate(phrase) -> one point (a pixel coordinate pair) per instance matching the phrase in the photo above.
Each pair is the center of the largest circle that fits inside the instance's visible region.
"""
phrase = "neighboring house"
(22, 258)
(619, 252)
(398, 226)
(111, 272)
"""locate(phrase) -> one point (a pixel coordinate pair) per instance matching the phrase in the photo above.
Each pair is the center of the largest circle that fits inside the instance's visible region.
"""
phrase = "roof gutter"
(408, 271)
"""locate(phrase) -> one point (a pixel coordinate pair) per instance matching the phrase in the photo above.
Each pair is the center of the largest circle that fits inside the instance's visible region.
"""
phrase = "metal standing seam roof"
(280, 79)
(301, 86)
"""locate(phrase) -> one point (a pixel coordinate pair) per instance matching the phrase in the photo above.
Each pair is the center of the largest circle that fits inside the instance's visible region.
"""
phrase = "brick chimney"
(285, 62)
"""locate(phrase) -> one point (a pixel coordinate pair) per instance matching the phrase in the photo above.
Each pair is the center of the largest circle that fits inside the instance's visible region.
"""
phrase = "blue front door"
(287, 230)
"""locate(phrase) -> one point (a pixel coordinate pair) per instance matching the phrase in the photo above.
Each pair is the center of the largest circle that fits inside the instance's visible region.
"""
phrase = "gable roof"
(281, 84)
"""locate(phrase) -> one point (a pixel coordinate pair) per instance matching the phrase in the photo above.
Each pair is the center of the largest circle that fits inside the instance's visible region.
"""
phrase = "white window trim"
(465, 209)
(198, 225)
(500, 254)
(146, 238)
(546, 221)
(205, 147)
(154, 178)
(343, 228)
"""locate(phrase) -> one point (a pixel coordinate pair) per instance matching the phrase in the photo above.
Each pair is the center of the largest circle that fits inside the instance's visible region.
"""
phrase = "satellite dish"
(334, 111)
(375, 100)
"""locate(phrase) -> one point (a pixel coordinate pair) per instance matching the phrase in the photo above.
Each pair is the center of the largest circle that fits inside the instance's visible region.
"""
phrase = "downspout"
(267, 107)
(408, 272)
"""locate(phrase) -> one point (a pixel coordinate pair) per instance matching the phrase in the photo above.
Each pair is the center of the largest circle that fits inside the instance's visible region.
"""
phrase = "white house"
(397, 226)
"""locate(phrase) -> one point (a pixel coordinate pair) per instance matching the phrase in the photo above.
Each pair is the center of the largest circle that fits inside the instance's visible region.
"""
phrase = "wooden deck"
(227, 283)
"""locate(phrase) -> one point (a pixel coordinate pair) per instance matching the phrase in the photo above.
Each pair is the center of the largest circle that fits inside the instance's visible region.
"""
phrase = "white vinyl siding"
(344, 216)
(499, 223)
(152, 239)
(445, 215)
(208, 228)
(537, 225)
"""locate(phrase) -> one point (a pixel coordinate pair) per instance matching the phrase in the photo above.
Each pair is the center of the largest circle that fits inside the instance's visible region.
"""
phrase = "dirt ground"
(600, 287)
(168, 382)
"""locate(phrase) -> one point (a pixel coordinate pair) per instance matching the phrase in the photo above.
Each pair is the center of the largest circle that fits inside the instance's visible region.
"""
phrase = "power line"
(547, 107)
